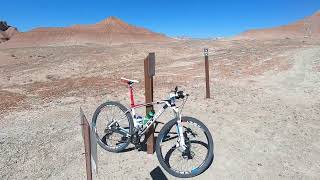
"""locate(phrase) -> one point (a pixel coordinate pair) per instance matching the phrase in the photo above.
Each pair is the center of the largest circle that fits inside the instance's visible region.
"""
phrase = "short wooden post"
(149, 72)
(87, 144)
(207, 72)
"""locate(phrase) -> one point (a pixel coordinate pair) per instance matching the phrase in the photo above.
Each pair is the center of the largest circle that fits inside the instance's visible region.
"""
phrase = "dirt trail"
(299, 84)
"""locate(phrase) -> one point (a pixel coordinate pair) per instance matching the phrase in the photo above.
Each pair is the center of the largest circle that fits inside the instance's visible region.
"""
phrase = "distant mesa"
(187, 38)
(308, 27)
(6, 31)
(183, 37)
(111, 31)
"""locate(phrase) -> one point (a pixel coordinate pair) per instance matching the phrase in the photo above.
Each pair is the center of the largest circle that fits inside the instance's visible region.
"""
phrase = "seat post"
(131, 95)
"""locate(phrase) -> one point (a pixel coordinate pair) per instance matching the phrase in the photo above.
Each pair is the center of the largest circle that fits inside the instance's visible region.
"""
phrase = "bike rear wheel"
(112, 122)
(192, 160)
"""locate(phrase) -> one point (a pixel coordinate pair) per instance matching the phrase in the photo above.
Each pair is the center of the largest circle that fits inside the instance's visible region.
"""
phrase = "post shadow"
(157, 174)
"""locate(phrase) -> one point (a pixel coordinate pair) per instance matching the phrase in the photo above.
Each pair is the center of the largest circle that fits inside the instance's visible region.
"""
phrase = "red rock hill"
(111, 31)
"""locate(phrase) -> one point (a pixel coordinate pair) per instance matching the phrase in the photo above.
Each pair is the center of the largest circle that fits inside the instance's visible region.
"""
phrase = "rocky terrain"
(263, 115)
(6, 31)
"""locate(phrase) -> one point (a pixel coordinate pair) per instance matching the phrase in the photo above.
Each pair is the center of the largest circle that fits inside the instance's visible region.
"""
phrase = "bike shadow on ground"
(157, 174)
(141, 148)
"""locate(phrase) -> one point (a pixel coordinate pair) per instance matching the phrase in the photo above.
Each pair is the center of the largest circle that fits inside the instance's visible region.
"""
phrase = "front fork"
(181, 145)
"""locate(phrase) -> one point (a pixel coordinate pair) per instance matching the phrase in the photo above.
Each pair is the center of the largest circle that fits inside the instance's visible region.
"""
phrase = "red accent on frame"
(137, 105)
(131, 96)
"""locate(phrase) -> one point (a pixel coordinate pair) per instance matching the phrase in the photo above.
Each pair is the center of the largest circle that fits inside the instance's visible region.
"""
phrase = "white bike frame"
(177, 112)
(168, 103)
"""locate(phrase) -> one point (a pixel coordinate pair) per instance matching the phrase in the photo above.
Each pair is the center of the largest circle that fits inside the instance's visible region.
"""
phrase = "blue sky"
(173, 17)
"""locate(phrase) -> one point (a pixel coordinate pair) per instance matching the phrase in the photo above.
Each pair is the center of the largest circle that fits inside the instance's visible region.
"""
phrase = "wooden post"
(149, 68)
(207, 72)
(87, 147)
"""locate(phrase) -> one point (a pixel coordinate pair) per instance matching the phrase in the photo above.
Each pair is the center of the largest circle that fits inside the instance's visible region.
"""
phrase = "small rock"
(2, 141)
(51, 77)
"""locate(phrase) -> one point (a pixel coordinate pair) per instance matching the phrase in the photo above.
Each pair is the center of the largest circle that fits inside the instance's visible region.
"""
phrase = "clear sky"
(202, 18)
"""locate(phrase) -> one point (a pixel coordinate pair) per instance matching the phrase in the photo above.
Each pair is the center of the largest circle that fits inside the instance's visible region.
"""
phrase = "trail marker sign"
(90, 146)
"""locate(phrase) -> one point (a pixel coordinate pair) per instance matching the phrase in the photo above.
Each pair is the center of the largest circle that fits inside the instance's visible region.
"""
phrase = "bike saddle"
(129, 81)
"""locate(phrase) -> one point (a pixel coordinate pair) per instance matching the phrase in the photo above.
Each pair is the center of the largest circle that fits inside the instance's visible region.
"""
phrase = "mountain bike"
(184, 145)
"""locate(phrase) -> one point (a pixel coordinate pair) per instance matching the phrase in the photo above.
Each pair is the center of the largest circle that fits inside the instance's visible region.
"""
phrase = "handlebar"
(179, 94)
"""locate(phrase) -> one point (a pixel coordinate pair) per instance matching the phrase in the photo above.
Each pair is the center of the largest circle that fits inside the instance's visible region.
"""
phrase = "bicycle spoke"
(121, 118)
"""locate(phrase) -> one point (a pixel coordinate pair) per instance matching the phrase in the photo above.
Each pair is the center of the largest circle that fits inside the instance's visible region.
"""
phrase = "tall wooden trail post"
(149, 72)
(206, 60)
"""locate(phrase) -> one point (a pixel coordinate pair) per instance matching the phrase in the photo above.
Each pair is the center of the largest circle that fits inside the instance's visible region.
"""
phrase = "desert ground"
(263, 112)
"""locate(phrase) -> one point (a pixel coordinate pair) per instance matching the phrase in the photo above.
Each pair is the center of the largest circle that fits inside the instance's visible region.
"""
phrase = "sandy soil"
(264, 113)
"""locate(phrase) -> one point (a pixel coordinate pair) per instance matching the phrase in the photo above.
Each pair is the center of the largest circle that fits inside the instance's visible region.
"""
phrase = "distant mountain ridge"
(308, 27)
(111, 31)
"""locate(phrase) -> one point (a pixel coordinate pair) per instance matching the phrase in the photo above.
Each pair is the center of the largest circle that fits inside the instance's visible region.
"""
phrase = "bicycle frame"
(157, 114)
(155, 117)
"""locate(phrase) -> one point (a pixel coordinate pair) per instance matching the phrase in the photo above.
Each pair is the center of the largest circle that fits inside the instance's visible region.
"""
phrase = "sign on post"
(151, 64)
(90, 146)
(206, 54)
(149, 72)
(93, 148)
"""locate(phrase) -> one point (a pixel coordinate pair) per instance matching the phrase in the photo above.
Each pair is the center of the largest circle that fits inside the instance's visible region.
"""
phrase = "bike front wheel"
(188, 161)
